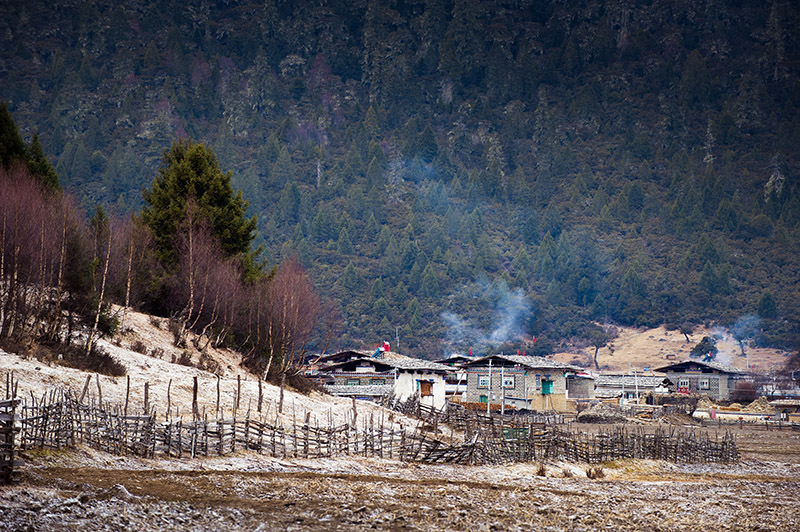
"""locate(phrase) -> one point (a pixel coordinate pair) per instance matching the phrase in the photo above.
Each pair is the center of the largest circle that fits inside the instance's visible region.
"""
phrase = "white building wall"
(405, 386)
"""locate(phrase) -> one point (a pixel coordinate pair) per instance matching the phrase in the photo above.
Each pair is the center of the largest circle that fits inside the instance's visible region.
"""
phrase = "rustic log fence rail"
(60, 419)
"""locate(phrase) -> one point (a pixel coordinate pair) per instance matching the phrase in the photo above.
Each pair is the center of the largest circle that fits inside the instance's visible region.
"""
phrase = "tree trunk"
(102, 295)
(283, 386)
(128, 278)
(596, 350)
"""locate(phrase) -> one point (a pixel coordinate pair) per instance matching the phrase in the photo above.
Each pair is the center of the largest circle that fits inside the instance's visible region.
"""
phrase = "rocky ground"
(87, 490)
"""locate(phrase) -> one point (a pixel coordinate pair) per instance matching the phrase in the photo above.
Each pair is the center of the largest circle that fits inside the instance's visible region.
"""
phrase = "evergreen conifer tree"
(189, 172)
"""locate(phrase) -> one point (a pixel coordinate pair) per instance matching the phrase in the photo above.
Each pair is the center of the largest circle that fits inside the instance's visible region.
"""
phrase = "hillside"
(454, 174)
(159, 365)
(636, 349)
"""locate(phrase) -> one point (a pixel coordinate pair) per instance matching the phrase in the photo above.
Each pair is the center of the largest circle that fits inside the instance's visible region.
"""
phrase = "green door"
(484, 398)
(547, 387)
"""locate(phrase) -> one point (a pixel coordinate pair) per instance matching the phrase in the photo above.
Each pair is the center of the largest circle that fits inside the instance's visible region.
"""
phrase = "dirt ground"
(90, 491)
(86, 490)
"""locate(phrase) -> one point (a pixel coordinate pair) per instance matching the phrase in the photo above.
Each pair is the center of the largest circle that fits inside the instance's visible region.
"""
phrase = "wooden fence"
(8, 431)
(60, 419)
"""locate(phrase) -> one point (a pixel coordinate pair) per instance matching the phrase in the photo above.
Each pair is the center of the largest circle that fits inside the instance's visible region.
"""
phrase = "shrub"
(185, 359)
(139, 347)
(108, 324)
(209, 364)
(595, 472)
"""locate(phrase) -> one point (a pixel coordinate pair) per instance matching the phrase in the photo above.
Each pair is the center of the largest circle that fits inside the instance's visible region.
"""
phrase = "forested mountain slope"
(458, 173)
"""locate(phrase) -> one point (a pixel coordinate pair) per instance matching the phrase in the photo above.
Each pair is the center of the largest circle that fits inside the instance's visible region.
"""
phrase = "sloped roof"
(629, 381)
(719, 366)
(403, 362)
(361, 390)
(456, 360)
(532, 362)
(391, 359)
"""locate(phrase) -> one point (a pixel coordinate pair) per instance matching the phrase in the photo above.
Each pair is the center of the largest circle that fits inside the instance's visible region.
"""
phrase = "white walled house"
(361, 375)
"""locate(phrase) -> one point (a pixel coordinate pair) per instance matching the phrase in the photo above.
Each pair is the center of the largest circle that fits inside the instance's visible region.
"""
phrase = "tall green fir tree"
(189, 172)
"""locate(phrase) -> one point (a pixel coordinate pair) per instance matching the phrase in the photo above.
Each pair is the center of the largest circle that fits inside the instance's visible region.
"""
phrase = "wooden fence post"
(195, 411)
(127, 394)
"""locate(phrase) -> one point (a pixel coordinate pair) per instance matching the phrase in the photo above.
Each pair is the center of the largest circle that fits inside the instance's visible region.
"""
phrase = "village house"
(630, 386)
(526, 382)
(366, 375)
(455, 381)
(714, 379)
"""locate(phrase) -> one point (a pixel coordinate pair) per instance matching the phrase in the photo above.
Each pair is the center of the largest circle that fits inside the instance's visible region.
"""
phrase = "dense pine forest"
(453, 173)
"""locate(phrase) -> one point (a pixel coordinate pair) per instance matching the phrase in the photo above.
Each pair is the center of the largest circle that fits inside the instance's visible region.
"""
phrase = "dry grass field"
(87, 490)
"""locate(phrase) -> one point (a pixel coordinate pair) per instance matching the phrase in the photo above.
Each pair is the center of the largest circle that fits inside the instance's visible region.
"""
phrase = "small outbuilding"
(627, 386)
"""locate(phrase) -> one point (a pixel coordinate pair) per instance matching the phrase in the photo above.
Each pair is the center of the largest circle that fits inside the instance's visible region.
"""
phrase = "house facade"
(364, 376)
(714, 379)
(456, 380)
(524, 382)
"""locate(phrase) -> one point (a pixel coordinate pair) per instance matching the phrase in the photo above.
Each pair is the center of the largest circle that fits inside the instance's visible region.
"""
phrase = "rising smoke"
(511, 310)
(739, 334)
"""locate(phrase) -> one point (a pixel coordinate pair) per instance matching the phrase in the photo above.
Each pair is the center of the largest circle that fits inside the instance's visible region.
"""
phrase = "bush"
(743, 392)
(139, 347)
(595, 472)
(108, 324)
(185, 359)
(209, 364)
(97, 360)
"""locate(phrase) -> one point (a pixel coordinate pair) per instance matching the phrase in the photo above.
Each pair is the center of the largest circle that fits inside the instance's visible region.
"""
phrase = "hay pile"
(704, 402)
(761, 406)
(602, 413)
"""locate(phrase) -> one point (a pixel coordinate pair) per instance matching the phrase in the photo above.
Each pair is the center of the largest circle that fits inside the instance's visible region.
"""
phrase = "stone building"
(714, 379)
(524, 382)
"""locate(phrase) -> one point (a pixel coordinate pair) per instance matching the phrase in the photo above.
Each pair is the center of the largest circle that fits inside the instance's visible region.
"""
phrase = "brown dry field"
(86, 490)
(640, 348)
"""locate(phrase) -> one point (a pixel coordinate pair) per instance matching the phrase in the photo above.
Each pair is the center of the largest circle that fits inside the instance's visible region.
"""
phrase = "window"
(377, 381)
(683, 383)
(508, 381)
(704, 384)
(353, 382)
(483, 381)
(425, 388)
(538, 381)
